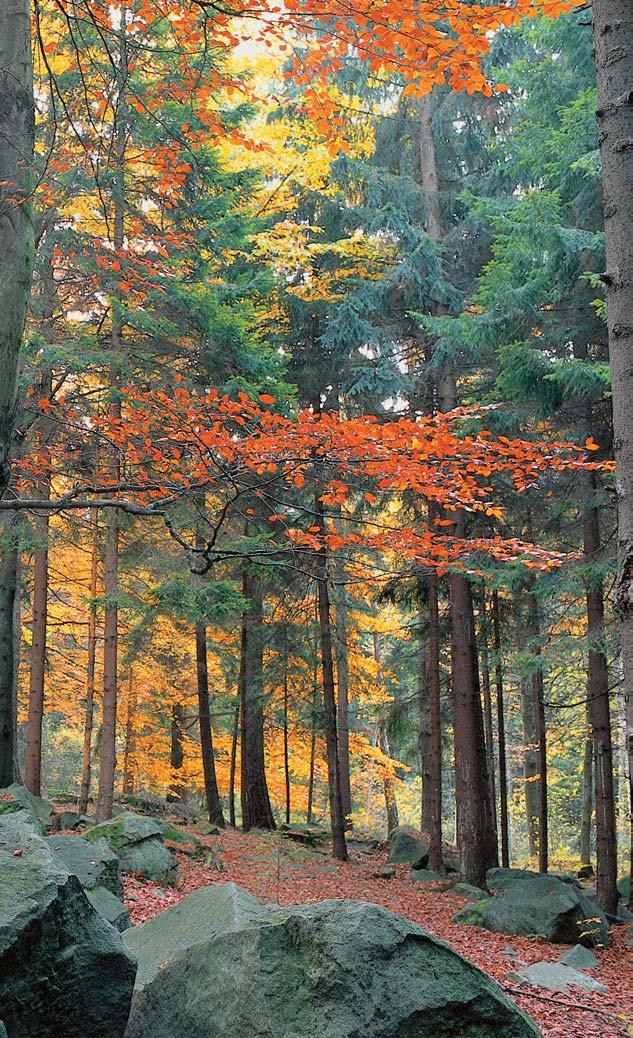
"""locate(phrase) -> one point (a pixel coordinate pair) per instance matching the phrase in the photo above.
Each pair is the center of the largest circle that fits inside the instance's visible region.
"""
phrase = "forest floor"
(276, 869)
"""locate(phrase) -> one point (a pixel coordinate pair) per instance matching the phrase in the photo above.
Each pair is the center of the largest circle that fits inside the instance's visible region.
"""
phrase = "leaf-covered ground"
(274, 869)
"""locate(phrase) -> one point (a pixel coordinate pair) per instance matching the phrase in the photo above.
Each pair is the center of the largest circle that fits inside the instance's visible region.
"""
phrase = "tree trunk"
(541, 736)
(342, 689)
(177, 791)
(435, 710)
(9, 598)
(211, 791)
(337, 818)
(286, 749)
(33, 745)
(613, 46)
(256, 810)
(530, 764)
(424, 713)
(587, 795)
(233, 767)
(313, 736)
(382, 740)
(487, 698)
(107, 760)
(129, 753)
(86, 756)
(501, 735)
(16, 217)
(600, 716)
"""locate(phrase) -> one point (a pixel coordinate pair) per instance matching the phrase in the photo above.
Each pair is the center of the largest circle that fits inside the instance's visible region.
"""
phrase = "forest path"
(276, 869)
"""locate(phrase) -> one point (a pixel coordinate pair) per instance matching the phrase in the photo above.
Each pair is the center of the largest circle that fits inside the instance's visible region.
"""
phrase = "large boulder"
(406, 847)
(502, 878)
(91, 861)
(63, 969)
(139, 843)
(97, 869)
(541, 907)
(17, 799)
(338, 969)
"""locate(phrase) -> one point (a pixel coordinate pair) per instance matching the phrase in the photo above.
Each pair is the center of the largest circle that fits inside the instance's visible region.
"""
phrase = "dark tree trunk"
(177, 791)
(233, 767)
(313, 737)
(211, 792)
(501, 735)
(382, 740)
(86, 756)
(342, 688)
(587, 795)
(33, 745)
(424, 712)
(613, 46)
(435, 776)
(600, 716)
(129, 753)
(286, 748)
(487, 698)
(530, 764)
(541, 736)
(16, 215)
(256, 810)
(337, 818)
(9, 598)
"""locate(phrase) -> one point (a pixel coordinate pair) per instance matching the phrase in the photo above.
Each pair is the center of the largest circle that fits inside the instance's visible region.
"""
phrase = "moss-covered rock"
(406, 847)
(139, 843)
(471, 893)
(337, 969)
(541, 907)
(63, 969)
(16, 798)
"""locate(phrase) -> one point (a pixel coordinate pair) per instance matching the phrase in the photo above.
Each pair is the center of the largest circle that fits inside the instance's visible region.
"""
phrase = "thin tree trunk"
(9, 597)
(256, 810)
(587, 795)
(86, 756)
(424, 713)
(33, 744)
(129, 753)
(541, 737)
(177, 791)
(107, 759)
(233, 767)
(382, 740)
(337, 818)
(435, 711)
(342, 689)
(485, 685)
(600, 716)
(530, 764)
(313, 736)
(613, 47)
(286, 752)
(211, 791)
(16, 215)
(501, 734)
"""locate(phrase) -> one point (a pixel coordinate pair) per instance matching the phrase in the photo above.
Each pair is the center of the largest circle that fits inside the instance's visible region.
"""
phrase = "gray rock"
(138, 841)
(18, 798)
(92, 862)
(109, 907)
(426, 876)
(470, 892)
(407, 848)
(554, 976)
(624, 888)
(63, 969)
(501, 878)
(338, 969)
(386, 873)
(541, 907)
(579, 958)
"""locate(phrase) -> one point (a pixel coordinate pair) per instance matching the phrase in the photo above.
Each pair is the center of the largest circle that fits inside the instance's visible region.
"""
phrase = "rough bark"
(504, 828)
(487, 705)
(177, 791)
(337, 817)
(255, 801)
(16, 218)
(613, 46)
(211, 791)
(86, 755)
(598, 708)
(9, 597)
